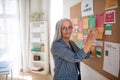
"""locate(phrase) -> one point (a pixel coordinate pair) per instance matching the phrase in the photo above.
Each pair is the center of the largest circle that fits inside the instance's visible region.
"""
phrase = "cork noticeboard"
(95, 62)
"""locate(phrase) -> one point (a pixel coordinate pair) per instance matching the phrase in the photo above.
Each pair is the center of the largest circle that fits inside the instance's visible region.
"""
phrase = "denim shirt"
(65, 59)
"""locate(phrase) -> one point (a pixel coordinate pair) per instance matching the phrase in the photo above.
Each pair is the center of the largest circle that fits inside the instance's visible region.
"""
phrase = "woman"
(66, 54)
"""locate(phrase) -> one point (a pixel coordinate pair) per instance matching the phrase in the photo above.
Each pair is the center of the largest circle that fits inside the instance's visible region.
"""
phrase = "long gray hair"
(57, 34)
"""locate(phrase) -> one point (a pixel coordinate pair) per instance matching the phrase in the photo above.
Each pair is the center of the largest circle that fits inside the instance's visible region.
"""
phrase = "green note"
(91, 21)
(108, 27)
(79, 19)
(79, 43)
(85, 31)
(98, 52)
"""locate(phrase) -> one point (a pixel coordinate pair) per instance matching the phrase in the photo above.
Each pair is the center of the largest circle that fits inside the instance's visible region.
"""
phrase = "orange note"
(100, 32)
(110, 4)
(85, 22)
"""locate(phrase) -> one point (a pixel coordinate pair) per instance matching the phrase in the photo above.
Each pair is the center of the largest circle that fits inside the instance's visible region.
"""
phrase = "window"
(9, 27)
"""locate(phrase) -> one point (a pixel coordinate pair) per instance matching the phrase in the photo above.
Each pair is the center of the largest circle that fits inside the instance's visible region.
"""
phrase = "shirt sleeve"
(65, 53)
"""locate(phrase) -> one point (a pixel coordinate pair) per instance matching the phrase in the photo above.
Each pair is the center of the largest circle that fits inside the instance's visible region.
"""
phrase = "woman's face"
(66, 29)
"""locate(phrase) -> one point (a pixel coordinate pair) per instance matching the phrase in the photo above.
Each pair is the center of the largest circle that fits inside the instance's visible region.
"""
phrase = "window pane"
(11, 6)
(1, 7)
(2, 41)
(2, 27)
(12, 25)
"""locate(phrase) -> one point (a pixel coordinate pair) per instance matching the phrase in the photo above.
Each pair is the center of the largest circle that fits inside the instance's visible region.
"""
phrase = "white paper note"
(111, 58)
(87, 7)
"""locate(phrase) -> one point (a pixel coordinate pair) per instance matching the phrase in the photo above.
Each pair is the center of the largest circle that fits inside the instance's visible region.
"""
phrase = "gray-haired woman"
(66, 54)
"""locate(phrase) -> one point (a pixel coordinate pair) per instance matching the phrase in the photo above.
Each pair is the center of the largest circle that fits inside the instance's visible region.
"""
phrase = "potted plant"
(37, 16)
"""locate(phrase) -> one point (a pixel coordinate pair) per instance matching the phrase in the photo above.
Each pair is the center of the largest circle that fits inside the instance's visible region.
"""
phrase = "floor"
(27, 76)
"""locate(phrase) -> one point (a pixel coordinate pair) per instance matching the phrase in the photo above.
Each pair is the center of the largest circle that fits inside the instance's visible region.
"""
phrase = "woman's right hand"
(91, 37)
(93, 34)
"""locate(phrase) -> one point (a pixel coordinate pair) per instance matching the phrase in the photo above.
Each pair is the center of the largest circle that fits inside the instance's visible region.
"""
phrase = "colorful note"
(91, 21)
(80, 36)
(80, 28)
(98, 51)
(100, 33)
(87, 7)
(109, 17)
(108, 29)
(85, 31)
(84, 38)
(85, 22)
(75, 21)
(80, 44)
(100, 20)
(110, 4)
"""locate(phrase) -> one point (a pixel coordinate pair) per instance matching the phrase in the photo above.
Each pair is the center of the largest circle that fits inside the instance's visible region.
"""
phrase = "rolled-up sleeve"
(62, 51)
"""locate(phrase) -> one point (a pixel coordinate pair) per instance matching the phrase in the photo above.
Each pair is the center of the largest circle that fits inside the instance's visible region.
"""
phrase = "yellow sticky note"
(85, 22)
(80, 36)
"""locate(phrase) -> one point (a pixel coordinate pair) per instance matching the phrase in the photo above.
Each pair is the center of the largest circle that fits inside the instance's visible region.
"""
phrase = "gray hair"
(57, 35)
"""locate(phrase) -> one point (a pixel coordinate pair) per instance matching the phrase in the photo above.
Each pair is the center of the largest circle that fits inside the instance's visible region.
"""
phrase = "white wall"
(87, 73)
(39, 5)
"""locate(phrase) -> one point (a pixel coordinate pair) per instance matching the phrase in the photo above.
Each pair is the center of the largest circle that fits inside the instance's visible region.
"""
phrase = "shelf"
(35, 40)
(39, 72)
(34, 52)
(39, 62)
(39, 47)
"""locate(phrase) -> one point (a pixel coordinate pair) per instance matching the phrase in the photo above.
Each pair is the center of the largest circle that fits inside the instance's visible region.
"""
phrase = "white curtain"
(24, 23)
(10, 45)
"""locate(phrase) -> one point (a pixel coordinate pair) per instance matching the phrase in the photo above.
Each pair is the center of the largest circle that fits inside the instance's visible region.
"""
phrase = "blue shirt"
(65, 59)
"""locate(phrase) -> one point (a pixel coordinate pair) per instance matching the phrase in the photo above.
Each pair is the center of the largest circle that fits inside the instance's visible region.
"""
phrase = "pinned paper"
(98, 51)
(109, 17)
(98, 43)
(85, 32)
(79, 19)
(100, 33)
(100, 20)
(91, 21)
(108, 29)
(84, 38)
(76, 28)
(75, 21)
(80, 44)
(80, 36)
(111, 4)
(87, 7)
(80, 28)
(111, 61)
(85, 22)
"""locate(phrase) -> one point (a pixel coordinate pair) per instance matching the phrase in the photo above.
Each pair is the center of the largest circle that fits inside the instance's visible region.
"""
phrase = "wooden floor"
(27, 76)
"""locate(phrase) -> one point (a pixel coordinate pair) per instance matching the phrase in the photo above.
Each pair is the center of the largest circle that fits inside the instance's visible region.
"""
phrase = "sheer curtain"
(14, 33)
(10, 44)
(24, 23)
